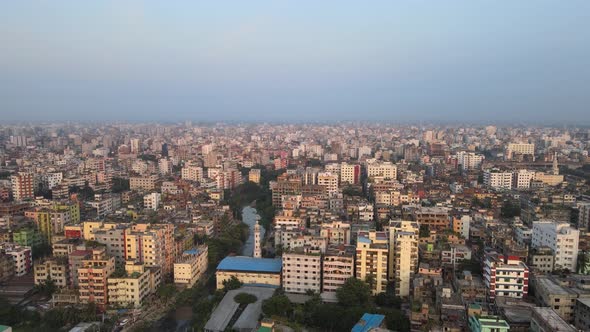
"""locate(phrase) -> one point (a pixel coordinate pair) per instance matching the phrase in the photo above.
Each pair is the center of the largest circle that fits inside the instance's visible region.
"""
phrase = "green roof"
(264, 329)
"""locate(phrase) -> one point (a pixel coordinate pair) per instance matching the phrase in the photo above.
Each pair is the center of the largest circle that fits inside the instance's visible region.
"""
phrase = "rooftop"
(244, 263)
(368, 322)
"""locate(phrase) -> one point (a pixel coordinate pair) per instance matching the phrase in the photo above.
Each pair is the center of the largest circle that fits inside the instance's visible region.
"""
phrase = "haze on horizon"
(431, 61)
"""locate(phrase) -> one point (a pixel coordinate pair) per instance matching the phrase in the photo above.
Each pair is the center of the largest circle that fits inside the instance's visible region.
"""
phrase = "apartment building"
(132, 288)
(372, 254)
(337, 267)
(23, 186)
(435, 218)
(469, 160)
(56, 269)
(522, 179)
(254, 175)
(302, 271)
(561, 238)
(146, 183)
(496, 179)
(336, 232)
(192, 172)
(519, 149)
(350, 173)
(6, 267)
(330, 181)
(93, 277)
(383, 169)
(190, 266)
(505, 276)
(152, 201)
(21, 258)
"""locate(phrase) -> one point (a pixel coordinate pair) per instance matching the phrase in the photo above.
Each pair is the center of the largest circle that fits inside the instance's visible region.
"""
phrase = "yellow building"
(132, 288)
(189, 267)
(254, 175)
(249, 270)
(372, 253)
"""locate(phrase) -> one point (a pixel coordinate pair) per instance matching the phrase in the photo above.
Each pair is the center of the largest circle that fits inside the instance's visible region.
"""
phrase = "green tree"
(232, 283)
(277, 305)
(47, 287)
(166, 292)
(354, 292)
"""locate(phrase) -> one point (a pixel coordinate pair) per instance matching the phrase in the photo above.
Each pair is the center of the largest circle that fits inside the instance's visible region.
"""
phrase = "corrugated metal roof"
(368, 322)
(244, 263)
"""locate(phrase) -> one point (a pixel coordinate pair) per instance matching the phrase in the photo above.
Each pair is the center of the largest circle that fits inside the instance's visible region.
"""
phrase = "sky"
(334, 60)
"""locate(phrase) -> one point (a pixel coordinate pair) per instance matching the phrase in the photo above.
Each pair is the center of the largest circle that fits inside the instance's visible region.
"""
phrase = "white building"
(21, 256)
(522, 179)
(562, 238)
(152, 201)
(505, 276)
(496, 179)
(302, 272)
(403, 254)
(469, 160)
(165, 166)
(336, 232)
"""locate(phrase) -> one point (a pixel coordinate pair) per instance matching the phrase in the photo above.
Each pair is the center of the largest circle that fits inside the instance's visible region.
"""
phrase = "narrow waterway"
(249, 216)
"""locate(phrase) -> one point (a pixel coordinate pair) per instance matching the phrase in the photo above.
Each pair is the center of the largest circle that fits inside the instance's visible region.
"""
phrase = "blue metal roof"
(193, 251)
(367, 322)
(244, 263)
(363, 239)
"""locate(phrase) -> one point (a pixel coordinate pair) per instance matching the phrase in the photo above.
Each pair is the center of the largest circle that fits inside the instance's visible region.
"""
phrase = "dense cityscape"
(294, 227)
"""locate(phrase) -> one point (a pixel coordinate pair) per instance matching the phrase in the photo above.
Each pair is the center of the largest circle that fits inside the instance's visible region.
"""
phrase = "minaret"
(257, 252)
(555, 166)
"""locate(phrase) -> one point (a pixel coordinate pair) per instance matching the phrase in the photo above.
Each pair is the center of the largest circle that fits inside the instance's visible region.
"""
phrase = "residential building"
(435, 218)
(146, 183)
(6, 267)
(561, 238)
(132, 288)
(505, 276)
(487, 324)
(469, 160)
(254, 175)
(403, 254)
(21, 258)
(522, 179)
(93, 277)
(152, 201)
(190, 266)
(192, 172)
(330, 181)
(350, 173)
(55, 269)
(23, 186)
(336, 232)
(337, 267)
(583, 215)
(385, 169)
(545, 319)
(519, 149)
(372, 254)
(582, 314)
(496, 179)
(302, 271)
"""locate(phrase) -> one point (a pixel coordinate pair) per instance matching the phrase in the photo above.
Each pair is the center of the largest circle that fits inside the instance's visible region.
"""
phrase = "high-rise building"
(469, 160)
(190, 266)
(384, 169)
(403, 254)
(192, 172)
(302, 271)
(562, 238)
(372, 253)
(337, 267)
(132, 288)
(23, 186)
(21, 257)
(254, 175)
(330, 181)
(519, 149)
(496, 179)
(583, 215)
(505, 276)
(93, 276)
(350, 173)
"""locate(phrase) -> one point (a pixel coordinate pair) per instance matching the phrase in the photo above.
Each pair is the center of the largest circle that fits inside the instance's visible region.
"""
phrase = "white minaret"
(257, 251)
(555, 165)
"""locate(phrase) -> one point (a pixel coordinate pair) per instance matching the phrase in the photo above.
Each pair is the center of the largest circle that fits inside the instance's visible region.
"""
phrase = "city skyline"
(295, 62)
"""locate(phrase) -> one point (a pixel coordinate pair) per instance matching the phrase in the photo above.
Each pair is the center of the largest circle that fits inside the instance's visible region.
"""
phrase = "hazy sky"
(468, 61)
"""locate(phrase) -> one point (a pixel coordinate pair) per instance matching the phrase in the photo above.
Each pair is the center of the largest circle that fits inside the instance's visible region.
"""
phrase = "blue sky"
(429, 61)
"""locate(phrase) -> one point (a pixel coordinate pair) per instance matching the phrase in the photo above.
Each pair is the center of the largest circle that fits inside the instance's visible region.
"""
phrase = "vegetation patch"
(245, 298)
